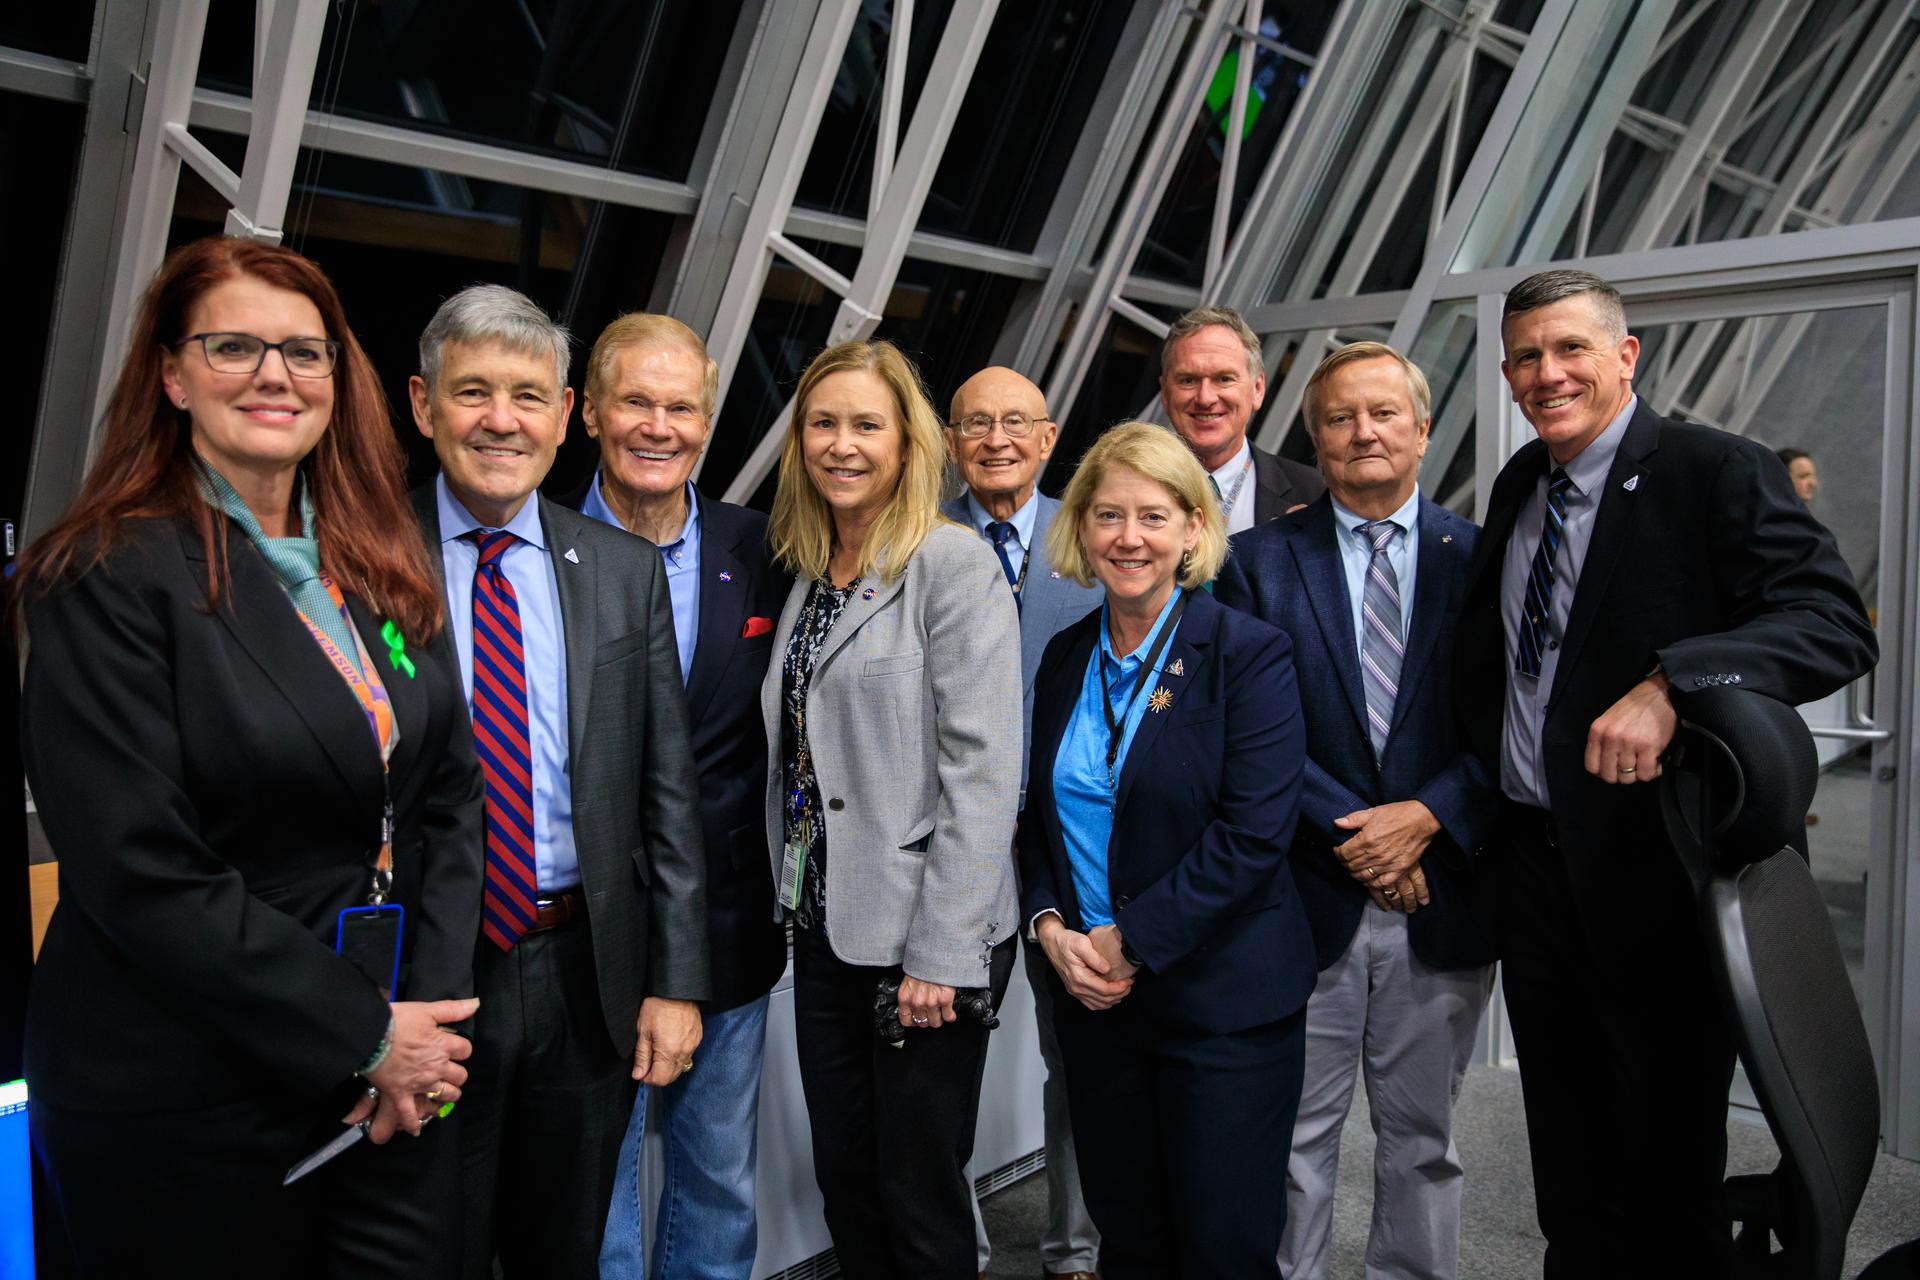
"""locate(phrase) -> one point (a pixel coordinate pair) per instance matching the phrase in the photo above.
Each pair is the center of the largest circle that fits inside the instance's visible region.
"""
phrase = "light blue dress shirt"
(1356, 553)
(1523, 775)
(1081, 792)
(682, 559)
(1021, 544)
(529, 567)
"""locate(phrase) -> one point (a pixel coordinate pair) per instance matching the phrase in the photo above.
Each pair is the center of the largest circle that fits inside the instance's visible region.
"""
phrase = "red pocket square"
(756, 627)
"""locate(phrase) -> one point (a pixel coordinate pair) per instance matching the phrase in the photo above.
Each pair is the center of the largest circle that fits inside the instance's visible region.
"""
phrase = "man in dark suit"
(650, 388)
(1368, 584)
(593, 948)
(1212, 378)
(999, 436)
(1627, 559)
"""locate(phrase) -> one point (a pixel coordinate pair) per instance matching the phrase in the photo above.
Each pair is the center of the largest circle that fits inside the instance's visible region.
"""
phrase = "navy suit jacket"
(1289, 573)
(1203, 816)
(1048, 603)
(730, 746)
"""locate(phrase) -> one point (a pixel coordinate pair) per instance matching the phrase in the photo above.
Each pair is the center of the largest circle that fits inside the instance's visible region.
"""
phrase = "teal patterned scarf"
(294, 561)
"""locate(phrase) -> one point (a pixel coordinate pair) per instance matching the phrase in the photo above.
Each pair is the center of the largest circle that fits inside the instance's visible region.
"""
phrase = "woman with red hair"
(248, 747)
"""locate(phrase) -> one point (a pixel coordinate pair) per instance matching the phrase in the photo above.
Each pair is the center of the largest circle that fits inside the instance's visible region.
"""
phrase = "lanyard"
(363, 677)
(1232, 495)
(1115, 726)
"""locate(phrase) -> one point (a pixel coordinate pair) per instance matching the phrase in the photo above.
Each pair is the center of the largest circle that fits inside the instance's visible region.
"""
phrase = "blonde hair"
(1352, 353)
(1162, 457)
(644, 328)
(800, 532)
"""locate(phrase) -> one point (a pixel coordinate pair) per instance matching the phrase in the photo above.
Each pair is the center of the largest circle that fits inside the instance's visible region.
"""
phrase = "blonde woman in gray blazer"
(893, 711)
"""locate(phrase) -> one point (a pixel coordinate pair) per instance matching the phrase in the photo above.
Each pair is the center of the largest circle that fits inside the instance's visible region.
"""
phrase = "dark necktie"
(1002, 533)
(501, 741)
(1537, 612)
(1381, 648)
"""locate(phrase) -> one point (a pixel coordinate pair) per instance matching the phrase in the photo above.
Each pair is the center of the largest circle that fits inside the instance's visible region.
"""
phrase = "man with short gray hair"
(594, 947)
(1212, 379)
(1368, 584)
(1627, 561)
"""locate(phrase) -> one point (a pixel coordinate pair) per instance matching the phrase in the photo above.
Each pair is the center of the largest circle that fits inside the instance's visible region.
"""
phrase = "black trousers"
(1182, 1139)
(199, 1193)
(544, 1110)
(892, 1128)
(1625, 1062)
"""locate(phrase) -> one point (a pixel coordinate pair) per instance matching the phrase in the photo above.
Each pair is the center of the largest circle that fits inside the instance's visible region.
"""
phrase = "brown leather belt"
(561, 908)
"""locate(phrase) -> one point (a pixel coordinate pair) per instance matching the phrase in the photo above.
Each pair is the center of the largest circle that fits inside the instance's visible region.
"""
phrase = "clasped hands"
(1384, 852)
(1090, 965)
(422, 1068)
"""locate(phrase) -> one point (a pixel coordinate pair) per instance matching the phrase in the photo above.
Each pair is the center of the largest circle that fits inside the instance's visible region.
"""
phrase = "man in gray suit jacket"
(999, 436)
(593, 948)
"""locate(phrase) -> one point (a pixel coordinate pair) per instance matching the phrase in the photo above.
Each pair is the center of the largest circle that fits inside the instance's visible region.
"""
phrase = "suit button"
(1122, 900)
(836, 804)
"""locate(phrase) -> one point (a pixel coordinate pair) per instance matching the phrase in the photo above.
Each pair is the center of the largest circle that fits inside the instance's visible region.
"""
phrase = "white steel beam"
(39, 76)
(891, 230)
(286, 47)
(1230, 155)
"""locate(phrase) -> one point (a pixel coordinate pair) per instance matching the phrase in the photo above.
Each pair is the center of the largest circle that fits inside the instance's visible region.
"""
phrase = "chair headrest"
(1752, 759)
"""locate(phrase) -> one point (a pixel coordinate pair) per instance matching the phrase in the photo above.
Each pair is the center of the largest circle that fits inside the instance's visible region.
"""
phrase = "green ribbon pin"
(396, 647)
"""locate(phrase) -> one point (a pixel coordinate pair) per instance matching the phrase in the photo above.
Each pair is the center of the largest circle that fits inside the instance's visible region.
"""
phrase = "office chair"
(1734, 796)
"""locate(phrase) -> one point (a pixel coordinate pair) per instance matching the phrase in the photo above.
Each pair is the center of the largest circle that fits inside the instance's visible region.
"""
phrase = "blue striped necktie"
(500, 739)
(1537, 614)
(1381, 648)
(1002, 532)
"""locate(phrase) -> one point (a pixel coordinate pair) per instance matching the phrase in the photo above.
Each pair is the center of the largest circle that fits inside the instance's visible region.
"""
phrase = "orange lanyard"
(363, 677)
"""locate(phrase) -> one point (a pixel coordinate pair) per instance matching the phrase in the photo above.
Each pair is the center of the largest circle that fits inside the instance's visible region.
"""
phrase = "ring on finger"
(1373, 873)
(1626, 769)
(433, 1094)
(919, 1022)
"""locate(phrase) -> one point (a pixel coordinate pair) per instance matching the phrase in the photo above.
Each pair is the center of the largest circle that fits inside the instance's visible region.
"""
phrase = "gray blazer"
(1051, 605)
(636, 817)
(912, 716)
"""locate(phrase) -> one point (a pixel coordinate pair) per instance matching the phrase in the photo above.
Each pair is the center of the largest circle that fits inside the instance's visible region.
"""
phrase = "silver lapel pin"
(573, 557)
(1633, 482)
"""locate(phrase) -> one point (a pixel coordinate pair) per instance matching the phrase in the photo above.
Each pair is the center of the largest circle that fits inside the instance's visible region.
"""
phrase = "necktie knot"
(1558, 483)
(492, 545)
(1378, 533)
(1001, 532)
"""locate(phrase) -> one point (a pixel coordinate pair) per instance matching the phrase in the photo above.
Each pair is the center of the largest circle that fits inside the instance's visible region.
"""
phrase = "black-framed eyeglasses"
(244, 353)
(1016, 425)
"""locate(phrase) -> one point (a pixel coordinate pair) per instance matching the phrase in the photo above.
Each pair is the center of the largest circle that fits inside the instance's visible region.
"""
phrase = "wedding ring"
(433, 1094)
(1626, 770)
(919, 1022)
(1372, 872)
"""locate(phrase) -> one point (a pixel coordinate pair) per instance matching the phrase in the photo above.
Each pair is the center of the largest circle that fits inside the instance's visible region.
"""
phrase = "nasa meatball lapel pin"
(726, 575)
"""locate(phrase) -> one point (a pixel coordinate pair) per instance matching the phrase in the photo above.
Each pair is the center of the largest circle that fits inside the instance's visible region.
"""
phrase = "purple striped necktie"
(500, 739)
(1381, 648)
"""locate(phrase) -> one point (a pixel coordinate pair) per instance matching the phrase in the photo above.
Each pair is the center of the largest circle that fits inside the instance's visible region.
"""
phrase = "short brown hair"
(1206, 318)
(1353, 353)
(1162, 457)
(644, 328)
(1544, 288)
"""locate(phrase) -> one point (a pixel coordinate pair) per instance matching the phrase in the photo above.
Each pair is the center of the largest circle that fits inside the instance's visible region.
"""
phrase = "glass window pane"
(624, 85)
(56, 30)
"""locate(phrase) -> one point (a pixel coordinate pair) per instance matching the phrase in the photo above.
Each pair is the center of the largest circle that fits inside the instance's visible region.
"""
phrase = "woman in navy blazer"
(1153, 863)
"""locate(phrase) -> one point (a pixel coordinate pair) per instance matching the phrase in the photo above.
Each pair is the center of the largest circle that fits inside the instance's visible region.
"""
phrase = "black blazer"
(749, 949)
(1204, 813)
(1280, 483)
(1290, 573)
(213, 792)
(1701, 560)
(635, 821)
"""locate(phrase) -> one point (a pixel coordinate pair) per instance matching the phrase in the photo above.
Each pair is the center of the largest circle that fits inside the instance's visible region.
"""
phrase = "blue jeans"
(706, 1228)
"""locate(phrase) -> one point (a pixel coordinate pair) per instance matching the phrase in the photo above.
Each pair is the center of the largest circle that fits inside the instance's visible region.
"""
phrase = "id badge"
(369, 937)
(792, 861)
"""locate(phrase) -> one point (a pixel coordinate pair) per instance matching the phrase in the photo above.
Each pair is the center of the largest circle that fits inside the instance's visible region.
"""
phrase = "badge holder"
(369, 936)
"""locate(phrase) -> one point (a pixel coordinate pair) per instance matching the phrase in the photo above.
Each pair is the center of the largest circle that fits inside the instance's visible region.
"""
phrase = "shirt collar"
(1134, 659)
(1402, 519)
(1239, 459)
(1022, 520)
(1589, 468)
(457, 522)
(595, 505)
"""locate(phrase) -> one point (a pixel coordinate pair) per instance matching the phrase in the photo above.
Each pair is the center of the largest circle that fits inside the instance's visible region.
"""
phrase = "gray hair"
(494, 313)
(1206, 318)
(1544, 288)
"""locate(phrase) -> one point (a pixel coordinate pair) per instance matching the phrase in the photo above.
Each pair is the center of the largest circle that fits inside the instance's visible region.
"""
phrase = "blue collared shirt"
(1082, 793)
(682, 558)
(1523, 774)
(1403, 553)
(528, 564)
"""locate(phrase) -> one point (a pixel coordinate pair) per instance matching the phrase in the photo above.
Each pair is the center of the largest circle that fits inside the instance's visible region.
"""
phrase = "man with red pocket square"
(650, 389)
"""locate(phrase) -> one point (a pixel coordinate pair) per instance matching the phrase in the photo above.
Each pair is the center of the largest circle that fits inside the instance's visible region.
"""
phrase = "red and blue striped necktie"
(500, 738)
